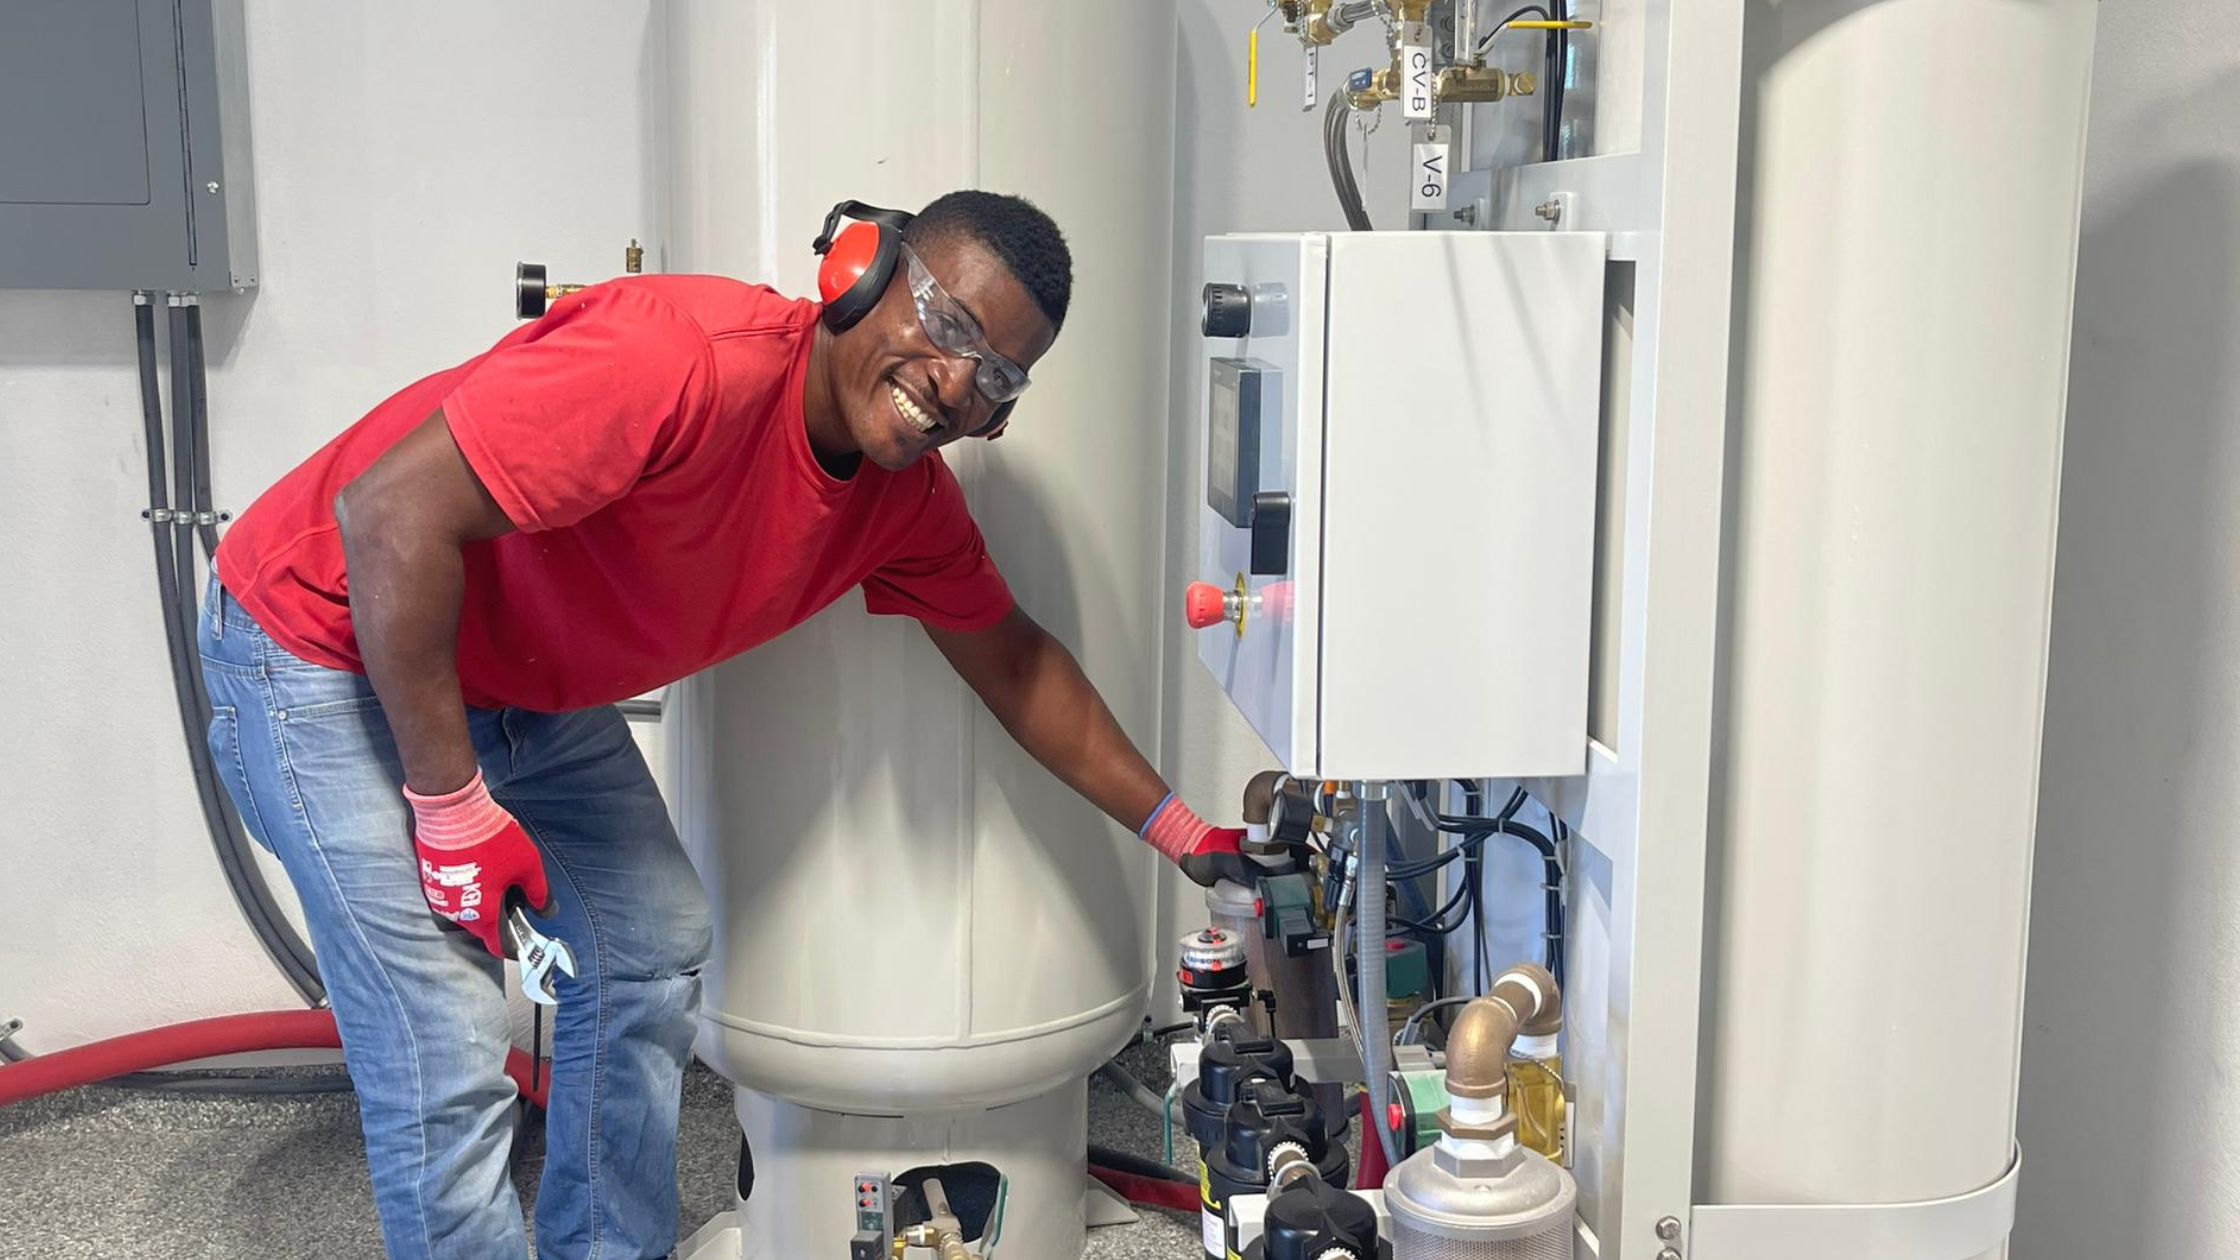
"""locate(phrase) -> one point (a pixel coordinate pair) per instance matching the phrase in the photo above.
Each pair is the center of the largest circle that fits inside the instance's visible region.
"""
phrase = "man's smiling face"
(897, 393)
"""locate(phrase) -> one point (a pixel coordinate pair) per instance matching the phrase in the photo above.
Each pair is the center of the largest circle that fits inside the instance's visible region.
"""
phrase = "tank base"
(806, 1161)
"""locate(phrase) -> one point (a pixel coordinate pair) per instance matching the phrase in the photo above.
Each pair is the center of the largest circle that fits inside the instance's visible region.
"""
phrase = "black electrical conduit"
(175, 525)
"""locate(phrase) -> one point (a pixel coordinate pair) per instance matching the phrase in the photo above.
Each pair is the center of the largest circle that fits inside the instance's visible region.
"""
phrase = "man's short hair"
(1016, 232)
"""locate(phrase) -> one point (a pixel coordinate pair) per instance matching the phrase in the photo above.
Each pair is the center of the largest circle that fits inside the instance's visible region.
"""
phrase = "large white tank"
(924, 942)
(1911, 172)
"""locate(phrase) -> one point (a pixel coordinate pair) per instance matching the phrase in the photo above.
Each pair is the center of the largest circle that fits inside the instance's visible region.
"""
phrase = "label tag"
(1212, 1235)
(1415, 70)
(1310, 64)
(1427, 185)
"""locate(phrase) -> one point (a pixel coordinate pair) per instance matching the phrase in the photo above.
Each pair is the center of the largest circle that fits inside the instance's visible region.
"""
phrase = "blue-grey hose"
(1376, 1036)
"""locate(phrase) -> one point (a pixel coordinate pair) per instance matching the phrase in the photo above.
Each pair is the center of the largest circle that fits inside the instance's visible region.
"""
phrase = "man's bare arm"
(403, 522)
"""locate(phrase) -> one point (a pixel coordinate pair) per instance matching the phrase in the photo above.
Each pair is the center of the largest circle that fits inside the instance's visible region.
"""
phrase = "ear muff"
(996, 420)
(858, 262)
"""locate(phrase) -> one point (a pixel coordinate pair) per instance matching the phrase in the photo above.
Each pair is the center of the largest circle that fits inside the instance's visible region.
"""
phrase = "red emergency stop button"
(1204, 605)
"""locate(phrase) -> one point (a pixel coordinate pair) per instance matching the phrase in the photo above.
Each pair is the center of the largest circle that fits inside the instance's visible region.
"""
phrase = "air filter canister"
(1457, 1201)
(1313, 1220)
(1267, 1125)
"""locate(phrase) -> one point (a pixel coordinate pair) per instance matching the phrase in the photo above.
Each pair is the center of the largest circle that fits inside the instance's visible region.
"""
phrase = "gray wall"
(2130, 1109)
(407, 154)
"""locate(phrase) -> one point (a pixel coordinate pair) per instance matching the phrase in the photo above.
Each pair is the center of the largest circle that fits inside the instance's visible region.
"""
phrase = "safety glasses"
(954, 332)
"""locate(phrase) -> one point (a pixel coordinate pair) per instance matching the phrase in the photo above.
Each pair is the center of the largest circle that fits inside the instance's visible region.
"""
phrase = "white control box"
(1397, 527)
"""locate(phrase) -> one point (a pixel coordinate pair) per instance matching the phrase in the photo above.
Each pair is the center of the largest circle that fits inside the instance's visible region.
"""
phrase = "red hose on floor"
(199, 1039)
(1180, 1196)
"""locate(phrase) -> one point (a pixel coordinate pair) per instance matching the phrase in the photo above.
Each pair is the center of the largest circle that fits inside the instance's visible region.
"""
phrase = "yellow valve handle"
(1252, 69)
(1534, 25)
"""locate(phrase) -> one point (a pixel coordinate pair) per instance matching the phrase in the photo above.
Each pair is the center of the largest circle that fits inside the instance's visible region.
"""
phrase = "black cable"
(1501, 25)
(198, 386)
(1340, 161)
(1474, 830)
(1136, 1165)
(1559, 68)
(175, 580)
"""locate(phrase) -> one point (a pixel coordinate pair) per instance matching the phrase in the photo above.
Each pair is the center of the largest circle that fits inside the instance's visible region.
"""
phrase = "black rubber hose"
(1136, 1165)
(175, 579)
(1340, 162)
(198, 383)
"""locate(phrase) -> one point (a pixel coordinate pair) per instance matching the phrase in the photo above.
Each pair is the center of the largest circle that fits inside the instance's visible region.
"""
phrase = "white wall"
(1237, 170)
(407, 153)
(2130, 1107)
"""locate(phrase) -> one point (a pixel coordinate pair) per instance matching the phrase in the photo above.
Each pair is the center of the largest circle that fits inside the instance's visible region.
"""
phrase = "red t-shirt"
(646, 440)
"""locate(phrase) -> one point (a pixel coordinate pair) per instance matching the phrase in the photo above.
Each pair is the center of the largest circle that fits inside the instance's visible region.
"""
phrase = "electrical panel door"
(124, 146)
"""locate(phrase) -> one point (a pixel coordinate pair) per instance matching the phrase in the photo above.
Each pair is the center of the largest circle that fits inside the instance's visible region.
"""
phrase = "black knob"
(1227, 311)
(1311, 1220)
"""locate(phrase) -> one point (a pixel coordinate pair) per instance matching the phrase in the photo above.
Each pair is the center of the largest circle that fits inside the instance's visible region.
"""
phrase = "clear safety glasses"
(954, 332)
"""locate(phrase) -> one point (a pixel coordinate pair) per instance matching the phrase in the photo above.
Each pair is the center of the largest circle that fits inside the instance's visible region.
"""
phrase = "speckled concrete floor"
(108, 1174)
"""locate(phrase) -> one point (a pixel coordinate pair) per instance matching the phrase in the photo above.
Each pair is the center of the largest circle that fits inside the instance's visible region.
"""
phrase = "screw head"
(1549, 210)
(1667, 1253)
(212, 186)
(1668, 1228)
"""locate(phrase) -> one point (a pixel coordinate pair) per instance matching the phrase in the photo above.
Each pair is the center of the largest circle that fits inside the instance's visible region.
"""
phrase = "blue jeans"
(308, 759)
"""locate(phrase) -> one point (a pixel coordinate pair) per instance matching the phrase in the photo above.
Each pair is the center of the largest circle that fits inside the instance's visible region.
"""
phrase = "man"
(414, 641)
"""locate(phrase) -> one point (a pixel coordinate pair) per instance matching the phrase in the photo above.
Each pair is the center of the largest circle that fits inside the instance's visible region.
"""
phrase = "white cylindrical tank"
(916, 923)
(1911, 173)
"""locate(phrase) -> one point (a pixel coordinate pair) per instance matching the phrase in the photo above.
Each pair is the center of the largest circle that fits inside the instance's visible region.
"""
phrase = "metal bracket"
(180, 518)
(1955, 1228)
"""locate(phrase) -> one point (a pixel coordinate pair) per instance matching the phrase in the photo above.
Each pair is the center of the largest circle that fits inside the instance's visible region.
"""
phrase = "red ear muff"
(858, 262)
(855, 272)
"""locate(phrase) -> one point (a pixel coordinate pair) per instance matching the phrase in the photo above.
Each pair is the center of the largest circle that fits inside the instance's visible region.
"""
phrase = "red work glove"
(1206, 853)
(472, 853)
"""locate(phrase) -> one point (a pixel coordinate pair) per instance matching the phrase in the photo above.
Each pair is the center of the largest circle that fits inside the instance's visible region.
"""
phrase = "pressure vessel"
(925, 943)
(1907, 257)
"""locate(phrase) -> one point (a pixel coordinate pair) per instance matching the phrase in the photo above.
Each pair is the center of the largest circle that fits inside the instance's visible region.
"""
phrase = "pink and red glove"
(1206, 853)
(472, 853)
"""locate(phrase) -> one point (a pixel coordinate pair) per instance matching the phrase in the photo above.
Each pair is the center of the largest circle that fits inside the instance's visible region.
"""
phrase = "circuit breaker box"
(124, 146)
(1396, 539)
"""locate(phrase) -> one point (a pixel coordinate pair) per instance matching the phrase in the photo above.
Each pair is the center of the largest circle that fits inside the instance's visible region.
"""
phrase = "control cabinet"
(124, 146)
(1396, 542)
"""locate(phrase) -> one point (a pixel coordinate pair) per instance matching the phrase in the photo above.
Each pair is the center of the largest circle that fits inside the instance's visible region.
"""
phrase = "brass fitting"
(1326, 20)
(1478, 83)
(1478, 1048)
(1260, 796)
(633, 257)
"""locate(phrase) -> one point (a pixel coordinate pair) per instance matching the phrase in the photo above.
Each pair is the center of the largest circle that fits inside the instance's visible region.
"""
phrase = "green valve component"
(1417, 1099)
(1287, 915)
(1407, 968)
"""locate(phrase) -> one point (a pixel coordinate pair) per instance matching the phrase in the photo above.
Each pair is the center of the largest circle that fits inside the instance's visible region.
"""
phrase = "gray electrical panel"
(124, 146)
